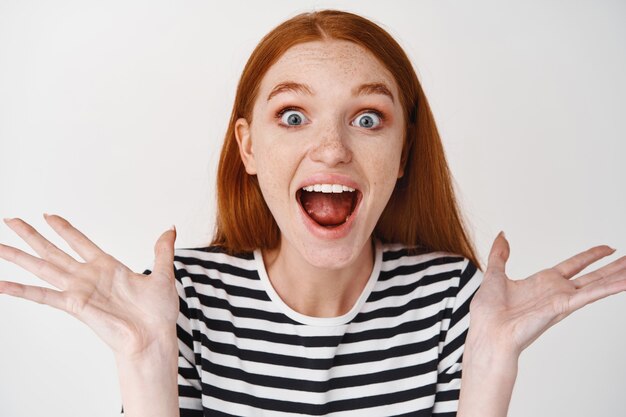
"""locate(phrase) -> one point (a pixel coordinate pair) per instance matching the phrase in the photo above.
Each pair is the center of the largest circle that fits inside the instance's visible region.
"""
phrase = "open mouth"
(328, 205)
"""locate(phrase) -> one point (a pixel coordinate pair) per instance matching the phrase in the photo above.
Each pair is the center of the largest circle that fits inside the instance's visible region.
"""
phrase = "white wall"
(112, 114)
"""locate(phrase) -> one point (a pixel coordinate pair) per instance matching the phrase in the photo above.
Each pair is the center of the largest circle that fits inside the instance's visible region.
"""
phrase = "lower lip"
(330, 233)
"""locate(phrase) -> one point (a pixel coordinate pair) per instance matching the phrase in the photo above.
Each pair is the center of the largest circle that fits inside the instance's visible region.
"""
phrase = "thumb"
(164, 251)
(499, 254)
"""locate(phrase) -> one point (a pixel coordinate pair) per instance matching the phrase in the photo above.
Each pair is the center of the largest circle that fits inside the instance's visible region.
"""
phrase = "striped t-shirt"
(398, 351)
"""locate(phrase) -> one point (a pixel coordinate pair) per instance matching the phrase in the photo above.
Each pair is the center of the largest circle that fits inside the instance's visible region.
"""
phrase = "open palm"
(517, 312)
(128, 311)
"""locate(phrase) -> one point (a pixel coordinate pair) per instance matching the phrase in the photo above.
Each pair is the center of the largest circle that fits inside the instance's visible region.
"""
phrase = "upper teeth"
(328, 188)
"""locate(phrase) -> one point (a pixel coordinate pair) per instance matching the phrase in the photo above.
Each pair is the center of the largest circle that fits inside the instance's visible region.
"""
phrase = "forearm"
(149, 384)
(489, 374)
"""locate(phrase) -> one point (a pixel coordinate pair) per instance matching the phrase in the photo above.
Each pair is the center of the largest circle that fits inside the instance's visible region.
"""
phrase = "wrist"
(488, 377)
(490, 344)
(148, 380)
(488, 362)
(161, 348)
(488, 358)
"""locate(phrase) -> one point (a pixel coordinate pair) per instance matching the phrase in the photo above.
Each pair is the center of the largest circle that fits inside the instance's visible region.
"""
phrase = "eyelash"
(279, 115)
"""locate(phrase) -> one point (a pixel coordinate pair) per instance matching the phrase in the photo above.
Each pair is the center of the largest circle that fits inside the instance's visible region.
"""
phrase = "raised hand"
(129, 311)
(513, 314)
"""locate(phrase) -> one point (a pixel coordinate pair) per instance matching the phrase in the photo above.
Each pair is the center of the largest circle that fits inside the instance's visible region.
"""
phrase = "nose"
(332, 149)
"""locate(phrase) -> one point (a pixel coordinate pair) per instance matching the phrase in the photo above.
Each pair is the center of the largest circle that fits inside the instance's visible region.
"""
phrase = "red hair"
(422, 211)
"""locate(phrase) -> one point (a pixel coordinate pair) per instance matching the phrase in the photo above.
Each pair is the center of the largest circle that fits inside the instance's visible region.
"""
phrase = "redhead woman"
(341, 277)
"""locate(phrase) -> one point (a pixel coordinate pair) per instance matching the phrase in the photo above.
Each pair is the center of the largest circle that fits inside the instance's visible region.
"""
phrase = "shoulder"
(396, 255)
(210, 277)
(455, 269)
(213, 261)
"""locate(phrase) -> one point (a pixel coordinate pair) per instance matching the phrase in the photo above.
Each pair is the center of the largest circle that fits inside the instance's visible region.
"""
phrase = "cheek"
(265, 160)
(382, 164)
(275, 170)
(268, 170)
(262, 142)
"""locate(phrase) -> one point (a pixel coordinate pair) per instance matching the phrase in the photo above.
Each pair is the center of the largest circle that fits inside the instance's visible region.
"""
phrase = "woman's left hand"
(514, 313)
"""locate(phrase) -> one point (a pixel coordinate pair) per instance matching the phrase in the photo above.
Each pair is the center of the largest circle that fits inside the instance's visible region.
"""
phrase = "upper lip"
(323, 178)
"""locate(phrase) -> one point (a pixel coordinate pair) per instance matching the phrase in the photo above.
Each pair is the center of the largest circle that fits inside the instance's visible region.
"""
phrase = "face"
(327, 118)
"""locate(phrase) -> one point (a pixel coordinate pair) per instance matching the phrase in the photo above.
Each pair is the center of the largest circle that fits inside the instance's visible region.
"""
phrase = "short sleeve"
(452, 342)
(189, 386)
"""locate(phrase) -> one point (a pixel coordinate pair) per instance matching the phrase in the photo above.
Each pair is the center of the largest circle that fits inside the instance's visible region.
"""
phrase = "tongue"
(327, 209)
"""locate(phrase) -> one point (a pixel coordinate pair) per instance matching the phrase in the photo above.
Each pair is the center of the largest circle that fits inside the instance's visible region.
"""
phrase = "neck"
(314, 291)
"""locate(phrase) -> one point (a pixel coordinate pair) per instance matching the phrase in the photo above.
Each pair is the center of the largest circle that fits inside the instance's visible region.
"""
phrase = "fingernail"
(6, 219)
(172, 228)
(46, 215)
(501, 233)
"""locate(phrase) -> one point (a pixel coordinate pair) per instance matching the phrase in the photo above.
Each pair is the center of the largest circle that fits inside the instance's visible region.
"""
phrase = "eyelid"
(285, 109)
(376, 112)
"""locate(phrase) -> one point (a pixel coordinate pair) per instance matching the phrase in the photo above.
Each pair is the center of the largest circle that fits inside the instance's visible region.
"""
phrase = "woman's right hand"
(130, 312)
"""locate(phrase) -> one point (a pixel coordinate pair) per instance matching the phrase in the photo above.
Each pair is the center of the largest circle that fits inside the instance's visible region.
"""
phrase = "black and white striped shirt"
(244, 352)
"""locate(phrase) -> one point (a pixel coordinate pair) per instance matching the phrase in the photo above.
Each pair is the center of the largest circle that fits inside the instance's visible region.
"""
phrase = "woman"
(340, 277)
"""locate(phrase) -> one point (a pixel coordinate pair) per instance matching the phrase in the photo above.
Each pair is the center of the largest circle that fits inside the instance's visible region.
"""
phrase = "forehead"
(332, 61)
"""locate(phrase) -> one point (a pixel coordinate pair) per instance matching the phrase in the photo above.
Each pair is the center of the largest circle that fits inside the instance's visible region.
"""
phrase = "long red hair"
(422, 212)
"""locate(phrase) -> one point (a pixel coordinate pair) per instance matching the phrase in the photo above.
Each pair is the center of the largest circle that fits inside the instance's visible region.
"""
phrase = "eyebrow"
(290, 86)
(373, 88)
(363, 89)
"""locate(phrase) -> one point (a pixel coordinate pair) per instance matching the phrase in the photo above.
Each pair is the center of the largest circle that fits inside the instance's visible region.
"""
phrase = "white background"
(113, 113)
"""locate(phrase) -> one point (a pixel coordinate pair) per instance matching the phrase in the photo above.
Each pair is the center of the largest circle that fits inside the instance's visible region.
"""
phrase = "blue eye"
(292, 117)
(368, 120)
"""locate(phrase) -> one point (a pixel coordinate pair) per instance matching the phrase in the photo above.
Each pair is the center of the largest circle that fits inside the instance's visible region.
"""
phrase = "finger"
(164, 252)
(499, 254)
(43, 269)
(39, 295)
(570, 267)
(41, 245)
(77, 241)
(611, 284)
(600, 273)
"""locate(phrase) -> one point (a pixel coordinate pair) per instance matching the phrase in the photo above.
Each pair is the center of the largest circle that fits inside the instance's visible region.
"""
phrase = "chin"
(333, 256)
